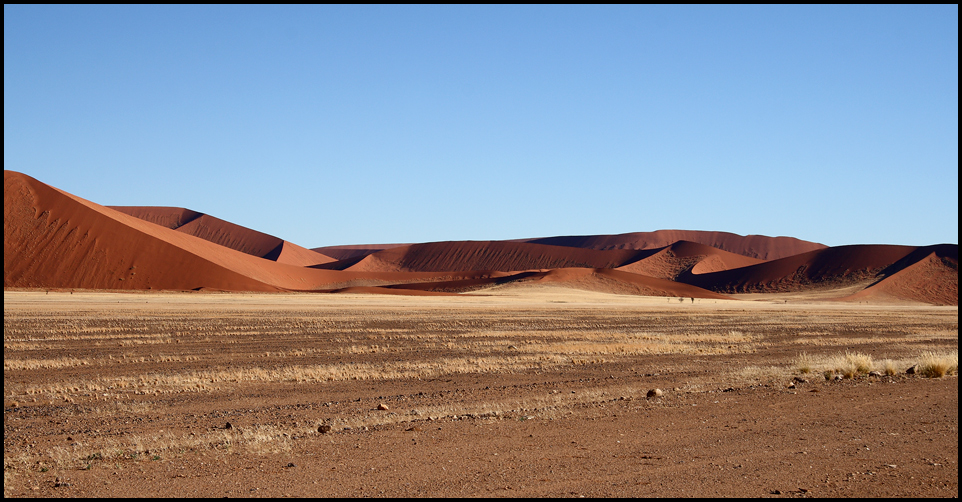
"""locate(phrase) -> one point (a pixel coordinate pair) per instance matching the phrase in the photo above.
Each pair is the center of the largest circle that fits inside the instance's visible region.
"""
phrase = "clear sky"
(349, 125)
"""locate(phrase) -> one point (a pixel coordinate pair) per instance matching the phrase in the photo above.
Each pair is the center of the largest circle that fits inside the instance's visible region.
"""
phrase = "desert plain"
(518, 390)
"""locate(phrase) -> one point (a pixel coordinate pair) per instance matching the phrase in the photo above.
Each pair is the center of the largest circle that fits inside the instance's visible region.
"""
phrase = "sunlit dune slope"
(753, 246)
(227, 234)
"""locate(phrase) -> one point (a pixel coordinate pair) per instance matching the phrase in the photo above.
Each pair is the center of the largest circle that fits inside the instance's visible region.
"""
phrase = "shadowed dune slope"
(828, 268)
(684, 256)
(753, 246)
(502, 256)
(227, 234)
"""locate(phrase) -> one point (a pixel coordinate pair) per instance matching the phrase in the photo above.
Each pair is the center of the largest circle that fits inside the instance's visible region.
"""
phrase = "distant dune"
(834, 267)
(753, 246)
(488, 255)
(53, 239)
(933, 279)
(672, 261)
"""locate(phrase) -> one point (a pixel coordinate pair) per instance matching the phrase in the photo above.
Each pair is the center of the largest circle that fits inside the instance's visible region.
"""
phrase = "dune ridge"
(226, 234)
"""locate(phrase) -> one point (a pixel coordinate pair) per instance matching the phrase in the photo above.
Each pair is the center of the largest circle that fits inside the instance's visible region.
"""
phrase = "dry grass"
(805, 363)
(888, 367)
(852, 364)
(757, 375)
(935, 364)
(931, 363)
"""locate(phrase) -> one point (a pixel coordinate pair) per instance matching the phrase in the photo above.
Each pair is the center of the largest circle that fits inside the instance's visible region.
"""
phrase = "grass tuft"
(804, 363)
(938, 364)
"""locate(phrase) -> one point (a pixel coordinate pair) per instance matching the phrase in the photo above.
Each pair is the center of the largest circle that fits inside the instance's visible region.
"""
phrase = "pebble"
(655, 393)
(382, 407)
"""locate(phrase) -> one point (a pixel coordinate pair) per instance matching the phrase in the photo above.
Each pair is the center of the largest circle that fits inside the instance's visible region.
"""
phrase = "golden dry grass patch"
(937, 364)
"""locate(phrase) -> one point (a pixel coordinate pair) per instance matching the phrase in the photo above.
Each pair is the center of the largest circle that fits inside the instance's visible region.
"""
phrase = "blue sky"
(348, 125)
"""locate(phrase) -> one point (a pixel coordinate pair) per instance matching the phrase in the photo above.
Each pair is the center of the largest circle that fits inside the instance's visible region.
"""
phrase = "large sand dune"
(53, 239)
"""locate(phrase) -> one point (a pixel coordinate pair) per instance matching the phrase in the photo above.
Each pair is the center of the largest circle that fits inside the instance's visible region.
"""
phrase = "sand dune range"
(53, 239)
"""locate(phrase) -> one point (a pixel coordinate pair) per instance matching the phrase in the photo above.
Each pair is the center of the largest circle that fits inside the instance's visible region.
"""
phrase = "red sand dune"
(489, 255)
(754, 246)
(53, 239)
(827, 268)
(621, 282)
(672, 261)
(227, 234)
(933, 280)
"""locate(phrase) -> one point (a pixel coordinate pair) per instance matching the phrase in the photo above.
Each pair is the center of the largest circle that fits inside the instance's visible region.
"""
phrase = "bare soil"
(533, 391)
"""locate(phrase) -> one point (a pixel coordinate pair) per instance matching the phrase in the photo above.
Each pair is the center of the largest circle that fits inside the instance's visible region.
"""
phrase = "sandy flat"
(522, 390)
